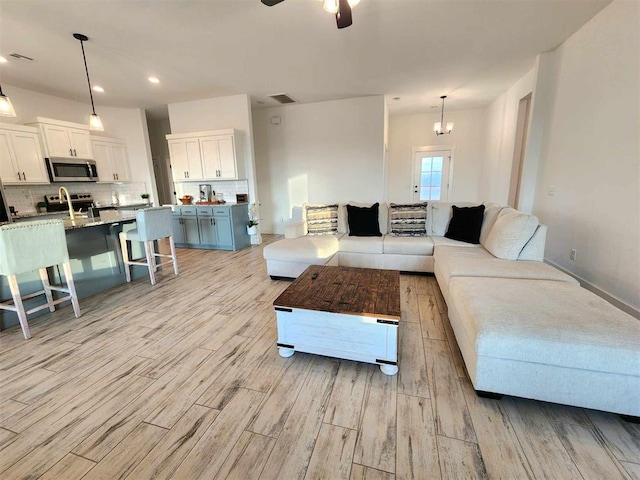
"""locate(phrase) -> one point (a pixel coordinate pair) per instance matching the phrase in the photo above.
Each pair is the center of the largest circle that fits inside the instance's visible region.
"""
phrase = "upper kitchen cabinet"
(64, 139)
(111, 159)
(186, 163)
(21, 159)
(210, 155)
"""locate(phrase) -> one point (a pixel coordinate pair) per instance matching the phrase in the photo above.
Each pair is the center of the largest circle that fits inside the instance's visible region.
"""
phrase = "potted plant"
(145, 197)
(252, 227)
(41, 207)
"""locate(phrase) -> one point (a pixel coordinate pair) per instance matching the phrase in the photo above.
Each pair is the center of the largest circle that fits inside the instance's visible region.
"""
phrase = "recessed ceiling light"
(154, 80)
(98, 88)
(2, 59)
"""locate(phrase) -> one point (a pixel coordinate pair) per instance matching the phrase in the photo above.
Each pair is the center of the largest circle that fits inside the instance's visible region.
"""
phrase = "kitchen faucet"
(66, 192)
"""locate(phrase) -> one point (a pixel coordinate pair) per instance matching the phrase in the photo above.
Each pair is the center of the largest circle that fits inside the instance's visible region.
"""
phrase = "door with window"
(431, 175)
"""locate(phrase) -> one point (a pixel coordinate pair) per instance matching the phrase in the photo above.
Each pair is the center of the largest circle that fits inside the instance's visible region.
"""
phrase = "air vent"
(282, 98)
(17, 56)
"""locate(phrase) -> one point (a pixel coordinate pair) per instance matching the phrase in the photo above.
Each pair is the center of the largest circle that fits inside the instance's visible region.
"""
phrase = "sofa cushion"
(471, 250)
(548, 322)
(361, 244)
(439, 214)
(322, 219)
(456, 265)
(408, 245)
(307, 249)
(466, 223)
(491, 212)
(408, 220)
(363, 221)
(510, 234)
(448, 241)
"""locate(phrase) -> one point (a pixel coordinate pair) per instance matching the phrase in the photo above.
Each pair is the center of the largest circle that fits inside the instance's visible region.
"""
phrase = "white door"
(80, 143)
(8, 167)
(29, 158)
(431, 175)
(227, 157)
(119, 161)
(58, 142)
(210, 157)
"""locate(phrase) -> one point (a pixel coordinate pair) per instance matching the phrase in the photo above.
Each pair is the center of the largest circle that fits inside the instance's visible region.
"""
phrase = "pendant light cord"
(441, 112)
(86, 69)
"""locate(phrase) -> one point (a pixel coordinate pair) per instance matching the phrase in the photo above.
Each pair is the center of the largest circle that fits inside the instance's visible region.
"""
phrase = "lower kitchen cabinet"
(220, 227)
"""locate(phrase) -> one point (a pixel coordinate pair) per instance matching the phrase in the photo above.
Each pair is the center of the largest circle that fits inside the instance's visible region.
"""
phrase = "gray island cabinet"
(222, 227)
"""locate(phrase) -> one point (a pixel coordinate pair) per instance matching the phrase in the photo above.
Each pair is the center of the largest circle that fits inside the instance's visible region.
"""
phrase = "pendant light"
(437, 127)
(6, 107)
(95, 123)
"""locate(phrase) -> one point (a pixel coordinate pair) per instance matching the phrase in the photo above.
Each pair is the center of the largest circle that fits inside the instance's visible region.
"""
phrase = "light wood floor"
(183, 380)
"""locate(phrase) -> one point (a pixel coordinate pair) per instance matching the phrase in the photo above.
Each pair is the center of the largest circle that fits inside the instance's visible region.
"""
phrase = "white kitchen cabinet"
(186, 163)
(212, 155)
(21, 159)
(64, 139)
(111, 159)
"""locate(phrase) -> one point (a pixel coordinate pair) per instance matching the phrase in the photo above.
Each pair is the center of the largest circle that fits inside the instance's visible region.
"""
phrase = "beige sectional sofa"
(524, 328)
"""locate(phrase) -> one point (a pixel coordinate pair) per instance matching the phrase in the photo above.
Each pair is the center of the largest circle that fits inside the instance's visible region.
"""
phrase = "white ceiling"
(471, 50)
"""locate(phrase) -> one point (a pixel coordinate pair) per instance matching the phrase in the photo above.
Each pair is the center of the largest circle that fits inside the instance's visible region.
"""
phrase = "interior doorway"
(431, 174)
(522, 131)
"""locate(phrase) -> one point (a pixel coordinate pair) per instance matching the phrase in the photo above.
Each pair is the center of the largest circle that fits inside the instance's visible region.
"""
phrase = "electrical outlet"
(573, 254)
(552, 190)
(281, 219)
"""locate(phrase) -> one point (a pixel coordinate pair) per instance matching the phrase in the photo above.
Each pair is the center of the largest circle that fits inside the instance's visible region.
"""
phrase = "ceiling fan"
(342, 9)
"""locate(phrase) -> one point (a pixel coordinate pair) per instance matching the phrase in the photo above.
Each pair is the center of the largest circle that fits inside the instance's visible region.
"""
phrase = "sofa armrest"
(534, 248)
(295, 229)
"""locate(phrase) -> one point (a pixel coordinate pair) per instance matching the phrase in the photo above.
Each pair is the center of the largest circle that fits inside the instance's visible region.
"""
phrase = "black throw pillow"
(465, 224)
(363, 221)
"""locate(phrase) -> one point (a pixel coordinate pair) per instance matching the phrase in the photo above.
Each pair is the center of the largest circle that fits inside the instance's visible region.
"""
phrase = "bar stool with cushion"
(152, 224)
(30, 246)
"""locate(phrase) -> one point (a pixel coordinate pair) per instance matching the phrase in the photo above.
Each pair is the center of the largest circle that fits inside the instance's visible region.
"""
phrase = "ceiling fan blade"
(271, 3)
(343, 17)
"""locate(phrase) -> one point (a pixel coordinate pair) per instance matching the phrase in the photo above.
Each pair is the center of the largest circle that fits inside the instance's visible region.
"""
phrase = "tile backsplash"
(228, 188)
(25, 198)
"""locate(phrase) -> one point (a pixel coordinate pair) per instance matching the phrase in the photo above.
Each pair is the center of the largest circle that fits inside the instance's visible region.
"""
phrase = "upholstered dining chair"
(29, 246)
(152, 224)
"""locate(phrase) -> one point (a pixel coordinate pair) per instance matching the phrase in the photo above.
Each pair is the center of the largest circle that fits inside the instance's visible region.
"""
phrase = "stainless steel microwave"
(71, 170)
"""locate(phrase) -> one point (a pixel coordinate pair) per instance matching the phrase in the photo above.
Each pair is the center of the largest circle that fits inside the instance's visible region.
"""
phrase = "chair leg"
(66, 266)
(17, 301)
(47, 288)
(151, 264)
(174, 259)
(125, 257)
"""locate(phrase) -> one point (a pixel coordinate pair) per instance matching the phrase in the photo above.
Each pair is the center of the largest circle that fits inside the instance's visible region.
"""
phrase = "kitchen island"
(96, 260)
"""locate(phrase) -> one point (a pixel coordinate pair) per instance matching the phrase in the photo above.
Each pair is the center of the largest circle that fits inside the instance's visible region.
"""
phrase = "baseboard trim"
(601, 293)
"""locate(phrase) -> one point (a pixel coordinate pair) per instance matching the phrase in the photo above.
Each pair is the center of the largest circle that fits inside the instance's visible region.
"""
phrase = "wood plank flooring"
(182, 380)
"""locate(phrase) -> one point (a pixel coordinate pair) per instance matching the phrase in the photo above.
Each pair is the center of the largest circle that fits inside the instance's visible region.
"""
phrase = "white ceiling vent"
(18, 56)
(282, 98)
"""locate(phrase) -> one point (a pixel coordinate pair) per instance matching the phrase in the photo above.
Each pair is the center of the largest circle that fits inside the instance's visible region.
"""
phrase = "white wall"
(411, 131)
(127, 124)
(592, 154)
(216, 114)
(320, 153)
(501, 118)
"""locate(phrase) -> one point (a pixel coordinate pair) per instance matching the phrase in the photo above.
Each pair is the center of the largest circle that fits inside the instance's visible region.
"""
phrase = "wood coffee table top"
(356, 291)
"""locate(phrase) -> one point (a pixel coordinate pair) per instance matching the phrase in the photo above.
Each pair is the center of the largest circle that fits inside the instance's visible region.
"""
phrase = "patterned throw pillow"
(408, 220)
(322, 219)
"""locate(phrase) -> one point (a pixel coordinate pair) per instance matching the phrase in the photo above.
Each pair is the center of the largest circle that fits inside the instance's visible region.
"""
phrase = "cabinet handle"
(19, 176)
(24, 176)
(212, 221)
(74, 153)
(117, 177)
(71, 152)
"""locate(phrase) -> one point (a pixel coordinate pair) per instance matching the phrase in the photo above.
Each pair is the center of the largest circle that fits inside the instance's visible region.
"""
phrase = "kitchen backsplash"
(228, 188)
(25, 198)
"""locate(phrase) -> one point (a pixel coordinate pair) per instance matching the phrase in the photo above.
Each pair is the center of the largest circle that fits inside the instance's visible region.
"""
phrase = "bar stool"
(152, 224)
(30, 246)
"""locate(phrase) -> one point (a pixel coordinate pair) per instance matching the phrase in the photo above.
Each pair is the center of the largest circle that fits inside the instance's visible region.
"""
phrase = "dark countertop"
(106, 217)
